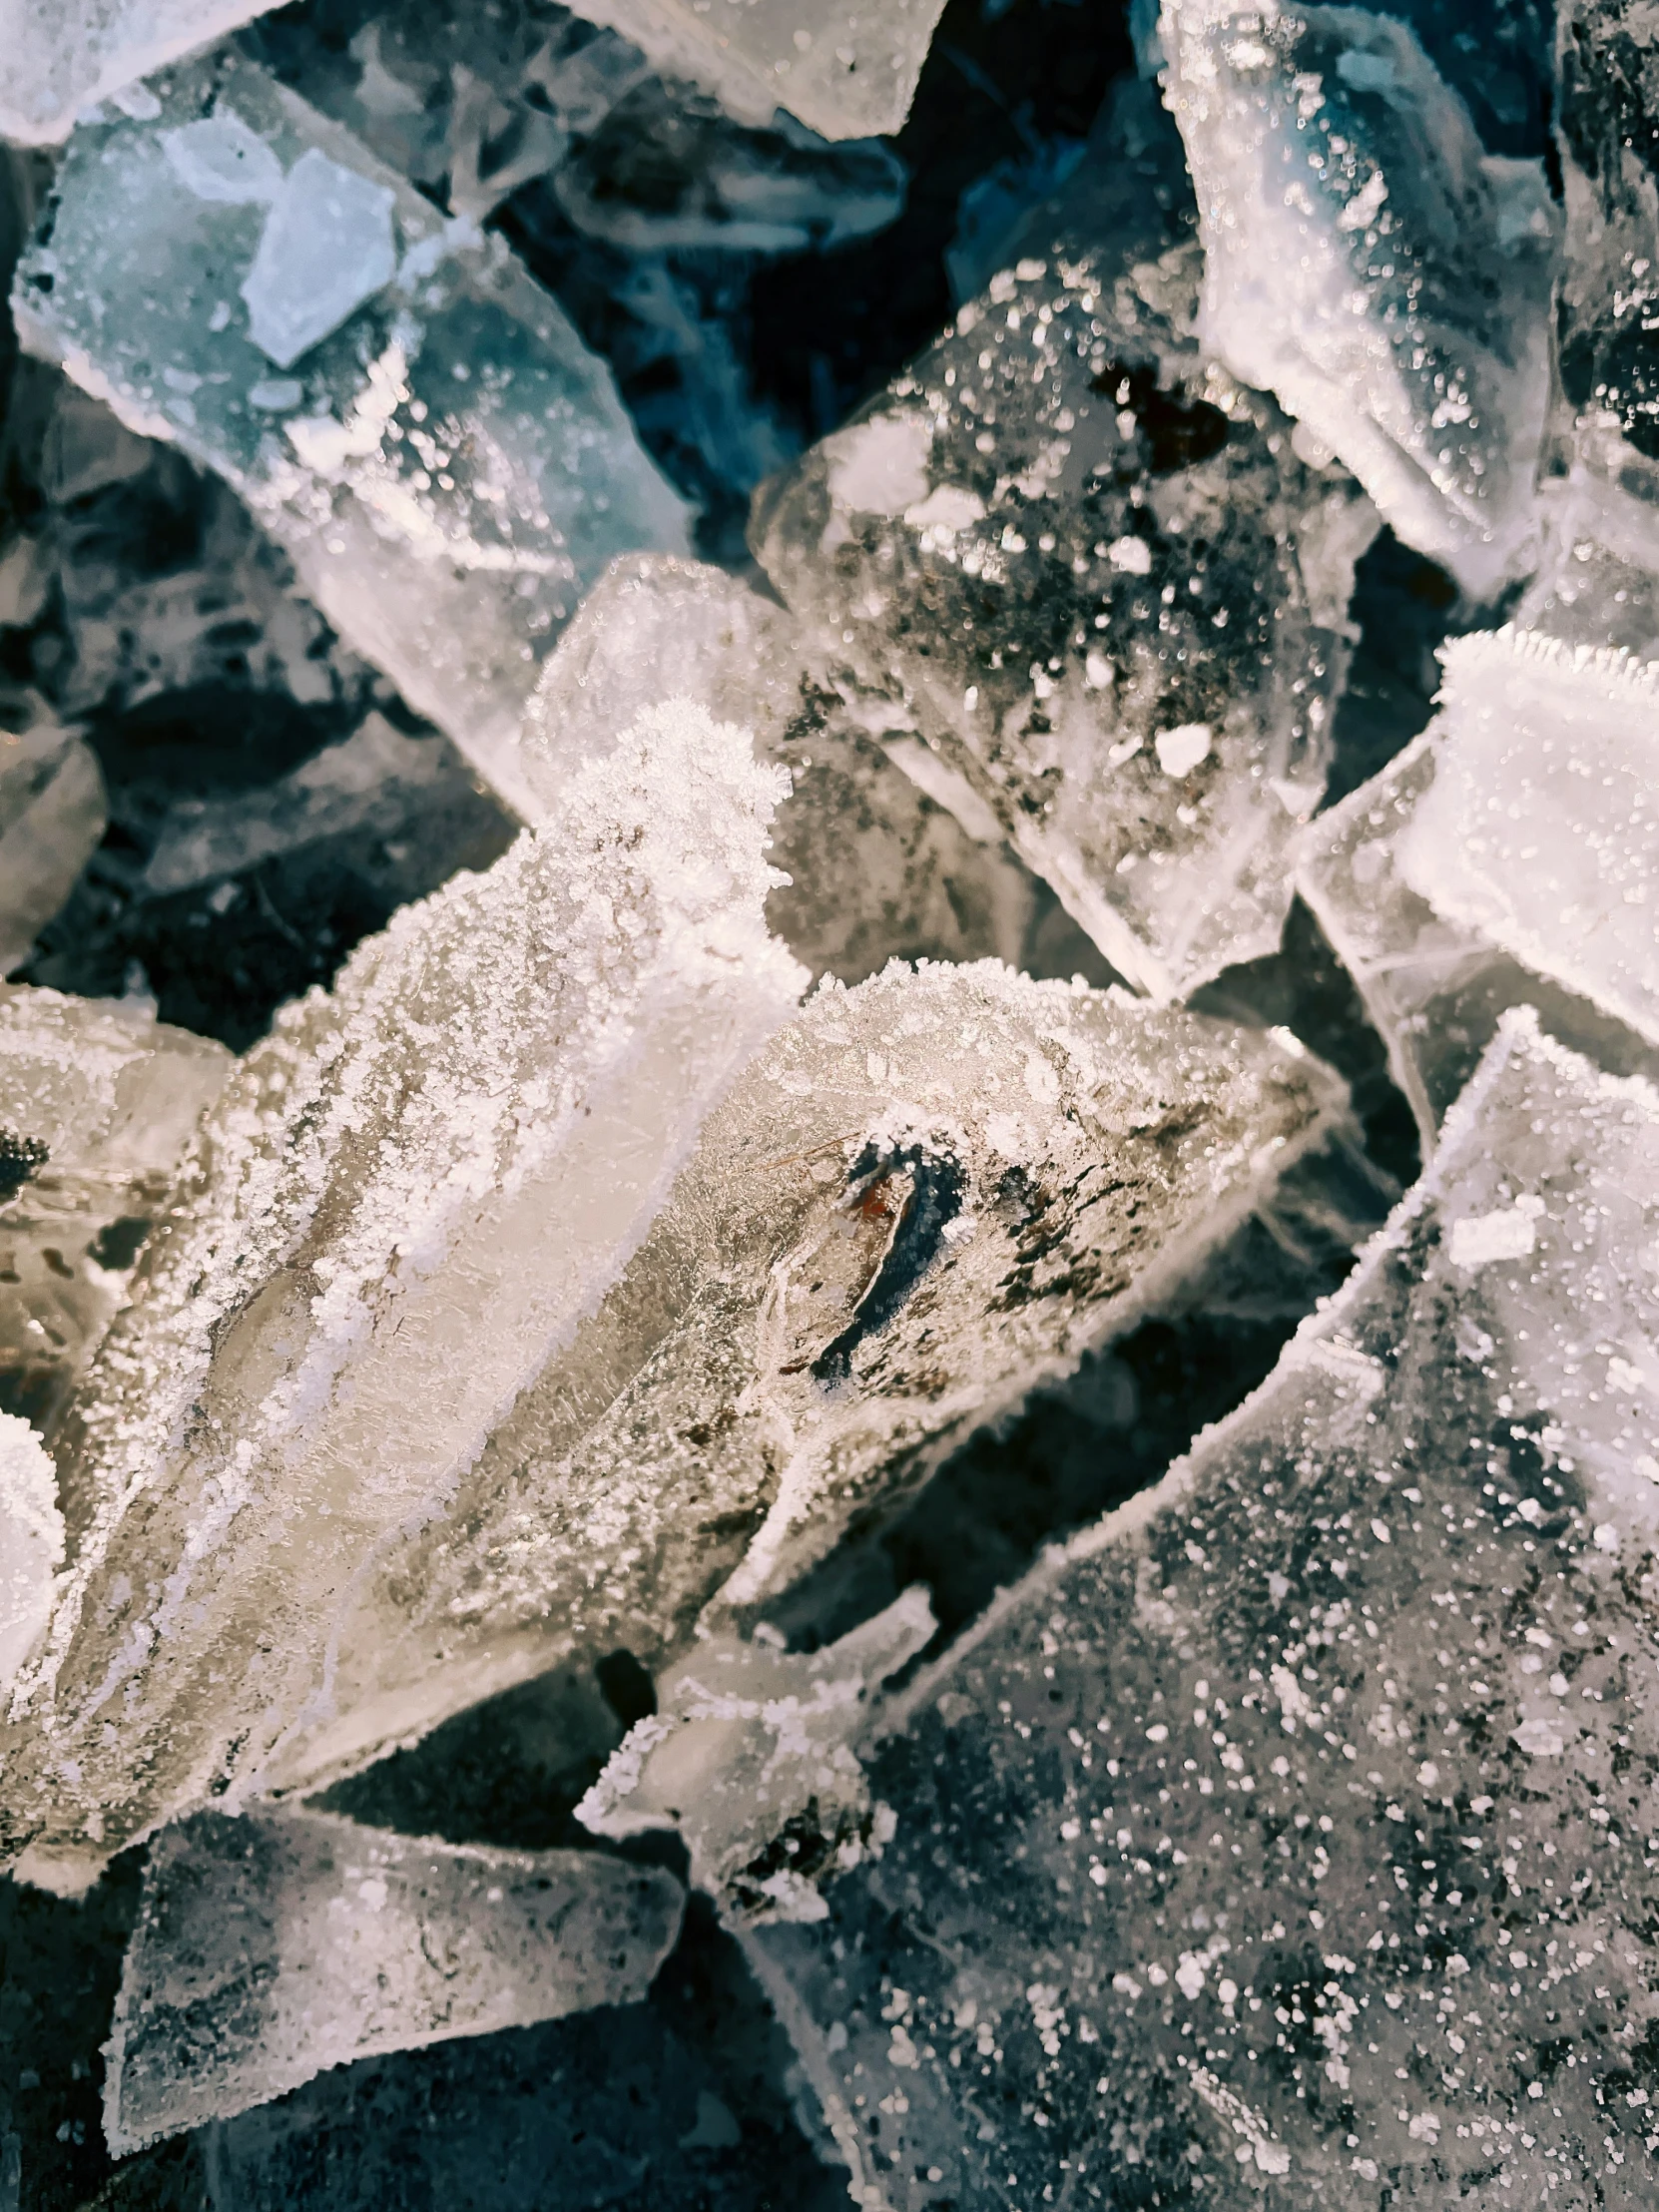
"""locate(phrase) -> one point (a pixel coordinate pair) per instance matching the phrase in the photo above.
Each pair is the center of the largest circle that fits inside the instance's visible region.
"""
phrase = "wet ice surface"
(273, 1946)
(1089, 580)
(1294, 1824)
(1505, 858)
(397, 401)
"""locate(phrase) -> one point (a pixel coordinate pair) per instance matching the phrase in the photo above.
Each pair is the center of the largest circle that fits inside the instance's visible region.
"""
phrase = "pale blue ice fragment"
(222, 159)
(327, 247)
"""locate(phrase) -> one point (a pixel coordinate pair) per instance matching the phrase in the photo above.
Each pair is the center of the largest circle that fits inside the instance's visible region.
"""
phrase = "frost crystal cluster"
(828, 1105)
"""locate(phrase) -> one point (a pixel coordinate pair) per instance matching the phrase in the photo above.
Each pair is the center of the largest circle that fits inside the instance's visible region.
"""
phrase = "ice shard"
(98, 1103)
(1507, 856)
(405, 1201)
(1371, 265)
(51, 816)
(274, 1945)
(31, 1542)
(928, 1194)
(405, 409)
(63, 56)
(845, 72)
(1290, 1831)
(750, 1759)
(877, 868)
(1088, 576)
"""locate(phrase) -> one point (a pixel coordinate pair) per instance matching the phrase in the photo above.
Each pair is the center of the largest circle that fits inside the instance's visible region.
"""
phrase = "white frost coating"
(1542, 828)
(31, 1541)
(327, 247)
(1370, 264)
(1506, 857)
(844, 71)
(1435, 1500)
(1479, 1239)
(272, 1946)
(748, 1741)
(451, 469)
(403, 1204)
(62, 55)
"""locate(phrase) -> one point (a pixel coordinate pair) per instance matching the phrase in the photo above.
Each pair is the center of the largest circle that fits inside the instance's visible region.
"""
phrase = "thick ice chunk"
(52, 816)
(98, 1101)
(1085, 577)
(1287, 1829)
(748, 1757)
(63, 55)
(271, 1946)
(448, 467)
(405, 1201)
(879, 868)
(31, 1542)
(845, 72)
(1508, 856)
(1370, 264)
(928, 1194)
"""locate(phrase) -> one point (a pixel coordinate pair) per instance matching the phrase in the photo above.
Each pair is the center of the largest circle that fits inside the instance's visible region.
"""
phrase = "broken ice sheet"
(1506, 857)
(1089, 577)
(31, 1541)
(271, 1946)
(62, 56)
(1368, 263)
(1288, 1827)
(877, 868)
(750, 1759)
(404, 1201)
(440, 455)
(847, 72)
(51, 816)
(98, 1101)
(928, 1195)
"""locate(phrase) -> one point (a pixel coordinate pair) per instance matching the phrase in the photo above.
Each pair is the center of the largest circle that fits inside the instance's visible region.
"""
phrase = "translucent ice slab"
(925, 1196)
(406, 1199)
(52, 816)
(98, 1101)
(877, 868)
(844, 72)
(64, 54)
(400, 405)
(1288, 1830)
(271, 1946)
(1369, 263)
(1091, 579)
(31, 1542)
(1508, 856)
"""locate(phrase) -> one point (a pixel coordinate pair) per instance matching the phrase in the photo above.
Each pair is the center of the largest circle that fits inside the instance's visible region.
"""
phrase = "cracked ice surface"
(272, 1946)
(926, 1195)
(1087, 574)
(481, 1118)
(1507, 856)
(400, 405)
(1292, 1827)
(1370, 264)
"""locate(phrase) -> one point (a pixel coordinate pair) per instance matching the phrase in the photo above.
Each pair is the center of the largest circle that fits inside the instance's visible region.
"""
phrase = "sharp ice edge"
(1156, 788)
(1251, 1676)
(481, 1118)
(1502, 857)
(451, 362)
(1392, 288)
(752, 1759)
(845, 73)
(272, 1946)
